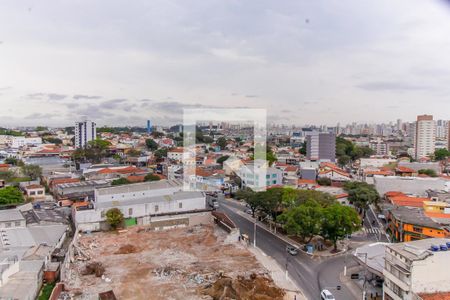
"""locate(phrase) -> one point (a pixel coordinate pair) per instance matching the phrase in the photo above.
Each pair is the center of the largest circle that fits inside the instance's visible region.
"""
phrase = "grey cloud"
(86, 97)
(92, 111)
(251, 96)
(53, 96)
(112, 104)
(391, 86)
(46, 96)
(36, 116)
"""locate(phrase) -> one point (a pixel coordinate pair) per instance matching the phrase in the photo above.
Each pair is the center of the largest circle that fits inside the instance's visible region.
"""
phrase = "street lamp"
(365, 272)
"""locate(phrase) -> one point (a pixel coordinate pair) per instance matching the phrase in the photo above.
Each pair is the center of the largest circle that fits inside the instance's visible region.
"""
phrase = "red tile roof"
(403, 200)
(306, 181)
(436, 296)
(135, 178)
(63, 180)
(402, 169)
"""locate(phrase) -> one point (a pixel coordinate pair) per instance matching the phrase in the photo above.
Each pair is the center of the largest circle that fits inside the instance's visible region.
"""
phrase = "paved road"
(373, 227)
(310, 275)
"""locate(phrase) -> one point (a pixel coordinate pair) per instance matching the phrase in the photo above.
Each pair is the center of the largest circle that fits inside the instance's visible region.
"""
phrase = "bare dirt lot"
(183, 263)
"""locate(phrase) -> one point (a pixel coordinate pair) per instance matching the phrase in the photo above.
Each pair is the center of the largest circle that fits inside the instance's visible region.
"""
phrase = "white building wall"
(431, 275)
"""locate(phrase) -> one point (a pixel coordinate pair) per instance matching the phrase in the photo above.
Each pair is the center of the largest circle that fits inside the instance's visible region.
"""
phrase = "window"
(274, 182)
(417, 229)
(156, 208)
(274, 175)
(17, 223)
(32, 193)
(7, 224)
(180, 205)
(40, 192)
(130, 211)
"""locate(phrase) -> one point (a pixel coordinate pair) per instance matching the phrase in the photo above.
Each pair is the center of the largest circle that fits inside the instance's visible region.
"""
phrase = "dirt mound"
(253, 288)
(94, 268)
(126, 249)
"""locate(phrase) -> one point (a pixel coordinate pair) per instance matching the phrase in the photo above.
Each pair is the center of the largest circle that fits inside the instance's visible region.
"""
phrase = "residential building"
(257, 175)
(85, 131)
(417, 268)
(379, 147)
(21, 141)
(425, 136)
(321, 146)
(410, 223)
(35, 191)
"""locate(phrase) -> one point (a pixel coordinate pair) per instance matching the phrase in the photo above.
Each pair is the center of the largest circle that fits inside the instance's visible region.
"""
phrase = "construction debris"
(94, 268)
(253, 288)
(183, 263)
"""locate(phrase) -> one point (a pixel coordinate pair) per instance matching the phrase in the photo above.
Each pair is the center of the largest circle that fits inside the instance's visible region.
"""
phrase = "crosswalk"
(372, 230)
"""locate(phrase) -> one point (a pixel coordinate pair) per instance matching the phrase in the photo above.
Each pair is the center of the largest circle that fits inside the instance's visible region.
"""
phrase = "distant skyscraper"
(321, 146)
(149, 127)
(85, 131)
(425, 136)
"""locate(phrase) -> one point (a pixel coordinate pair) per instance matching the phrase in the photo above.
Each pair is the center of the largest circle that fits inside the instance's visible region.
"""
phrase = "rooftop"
(419, 249)
(9, 215)
(413, 215)
(136, 187)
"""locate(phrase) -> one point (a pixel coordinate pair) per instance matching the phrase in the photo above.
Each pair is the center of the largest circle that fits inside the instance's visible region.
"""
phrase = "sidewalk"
(278, 275)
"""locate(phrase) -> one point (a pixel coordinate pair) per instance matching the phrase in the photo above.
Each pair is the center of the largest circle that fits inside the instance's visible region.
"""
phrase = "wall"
(432, 274)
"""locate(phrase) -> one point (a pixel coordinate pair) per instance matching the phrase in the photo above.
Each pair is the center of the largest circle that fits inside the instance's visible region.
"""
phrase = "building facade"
(425, 136)
(85, 131)
(415, 268)
(321, 146)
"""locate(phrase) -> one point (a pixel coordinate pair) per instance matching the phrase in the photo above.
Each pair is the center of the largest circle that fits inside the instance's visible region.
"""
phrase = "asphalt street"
(311, 275)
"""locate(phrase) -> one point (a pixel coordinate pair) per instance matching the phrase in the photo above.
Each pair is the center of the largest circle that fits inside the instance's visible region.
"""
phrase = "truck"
(213, 199)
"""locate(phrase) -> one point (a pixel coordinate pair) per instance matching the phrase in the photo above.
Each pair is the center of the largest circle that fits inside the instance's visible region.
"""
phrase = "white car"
(326, 295)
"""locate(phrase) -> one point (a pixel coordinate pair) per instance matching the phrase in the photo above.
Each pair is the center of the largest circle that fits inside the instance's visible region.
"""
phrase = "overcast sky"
(306, 61)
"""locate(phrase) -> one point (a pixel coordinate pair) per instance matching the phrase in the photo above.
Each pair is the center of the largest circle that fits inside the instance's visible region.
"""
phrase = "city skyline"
(303, 62)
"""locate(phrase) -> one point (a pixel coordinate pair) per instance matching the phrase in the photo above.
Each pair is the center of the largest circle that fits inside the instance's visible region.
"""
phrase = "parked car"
(292, 250)
(248, 211)
(326, 295)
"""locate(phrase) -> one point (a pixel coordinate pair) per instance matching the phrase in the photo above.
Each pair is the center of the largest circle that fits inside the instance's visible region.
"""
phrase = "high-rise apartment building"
(321, 146)
(85, 131)
(424, 143)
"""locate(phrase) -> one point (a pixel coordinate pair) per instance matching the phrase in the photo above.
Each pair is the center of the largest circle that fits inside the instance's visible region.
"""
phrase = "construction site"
(199, 262)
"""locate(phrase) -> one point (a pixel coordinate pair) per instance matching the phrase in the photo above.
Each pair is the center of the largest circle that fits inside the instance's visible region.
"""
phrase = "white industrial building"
(159, 203)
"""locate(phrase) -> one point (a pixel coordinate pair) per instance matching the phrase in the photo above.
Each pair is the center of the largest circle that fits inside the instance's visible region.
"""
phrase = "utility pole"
(254, 233)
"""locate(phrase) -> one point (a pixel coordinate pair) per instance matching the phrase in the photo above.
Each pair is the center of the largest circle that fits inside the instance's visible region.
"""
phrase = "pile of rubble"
(253, 288)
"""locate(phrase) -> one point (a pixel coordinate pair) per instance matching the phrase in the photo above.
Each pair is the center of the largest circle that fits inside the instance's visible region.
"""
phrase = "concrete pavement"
(311, 275)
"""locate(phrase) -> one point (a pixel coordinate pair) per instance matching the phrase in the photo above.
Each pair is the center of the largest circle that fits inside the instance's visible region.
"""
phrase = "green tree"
(441, 154)
(325, 181)
(344, 160)
(152, 177)
(10, 195)
(303, 148)
(160, 153)
(222, 142)
(32, 171)
(339, 221)
(52, 140)
(222, 159)
(428, 172)
(361, 194)
(120, 181)
(114, 217)
(157, 134)
(151, 144)
(11, 161)
(304, 220)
